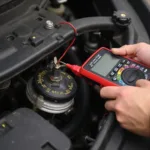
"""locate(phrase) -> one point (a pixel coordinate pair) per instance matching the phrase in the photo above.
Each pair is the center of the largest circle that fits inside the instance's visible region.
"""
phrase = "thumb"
(142, 83)
(126, 50)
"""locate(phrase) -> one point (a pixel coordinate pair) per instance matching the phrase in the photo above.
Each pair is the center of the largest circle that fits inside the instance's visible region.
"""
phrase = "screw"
(87, 138)
(123, 15)
(49, 25)
(61, 1)
(55, 60)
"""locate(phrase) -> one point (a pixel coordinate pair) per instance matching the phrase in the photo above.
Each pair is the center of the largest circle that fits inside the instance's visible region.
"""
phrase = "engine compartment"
(29, 45)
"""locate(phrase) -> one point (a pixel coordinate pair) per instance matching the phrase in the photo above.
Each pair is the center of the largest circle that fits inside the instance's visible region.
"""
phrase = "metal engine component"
(52, 91)
(62, 1)
(59, 1)
(121, 19)
(49, 25)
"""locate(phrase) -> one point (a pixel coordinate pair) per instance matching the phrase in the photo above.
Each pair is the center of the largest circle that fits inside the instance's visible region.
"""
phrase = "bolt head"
(49, 24)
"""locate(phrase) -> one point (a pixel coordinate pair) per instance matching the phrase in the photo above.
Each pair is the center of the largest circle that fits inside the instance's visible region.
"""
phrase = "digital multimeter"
(107, 69)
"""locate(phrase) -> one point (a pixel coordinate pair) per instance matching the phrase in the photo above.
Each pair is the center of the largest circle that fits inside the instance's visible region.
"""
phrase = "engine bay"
(33, 36)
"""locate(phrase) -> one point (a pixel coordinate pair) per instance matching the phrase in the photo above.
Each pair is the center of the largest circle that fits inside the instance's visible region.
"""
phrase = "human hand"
(131, 105)
(139, 52)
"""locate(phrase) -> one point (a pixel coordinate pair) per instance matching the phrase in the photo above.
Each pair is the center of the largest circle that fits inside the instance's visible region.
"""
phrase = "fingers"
(126, 50)
(110, 105)
(142, 83)
(109, 92)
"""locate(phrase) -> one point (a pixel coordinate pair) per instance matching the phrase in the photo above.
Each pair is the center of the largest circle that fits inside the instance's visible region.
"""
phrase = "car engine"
(40, 99)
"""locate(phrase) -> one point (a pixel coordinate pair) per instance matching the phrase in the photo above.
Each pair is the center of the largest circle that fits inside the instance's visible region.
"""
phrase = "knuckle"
(119, 119)
(123, 126)
(102, 92)
(123, 93)
(141, 81)
(118, 107)
(142, 44)
(125, 46)
(106, 105)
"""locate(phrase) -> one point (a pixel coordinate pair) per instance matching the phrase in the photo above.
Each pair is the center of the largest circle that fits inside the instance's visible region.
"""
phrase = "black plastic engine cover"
(18, 47)
(9, 9)
(26, 130)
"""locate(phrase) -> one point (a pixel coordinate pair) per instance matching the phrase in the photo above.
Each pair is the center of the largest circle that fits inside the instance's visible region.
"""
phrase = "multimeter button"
(133, 65)
(121, 82)
(112, 74)
(146, 76)
(123, 61)
(142, 68)
(128, 63)
(126, 66)
(137, 67)
(91, 65)
(119, 65)
(116, 69)
(114, 79)
(145, 71)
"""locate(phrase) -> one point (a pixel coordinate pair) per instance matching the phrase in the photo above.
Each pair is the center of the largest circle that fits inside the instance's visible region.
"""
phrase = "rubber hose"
(83, 103)
(96, 23)
(131, 36)
(105, 132)
(142, 35)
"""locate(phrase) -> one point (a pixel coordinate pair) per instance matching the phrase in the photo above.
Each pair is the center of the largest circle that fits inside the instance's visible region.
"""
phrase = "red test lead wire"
(71, 44)
(73, 41)
(71, 25)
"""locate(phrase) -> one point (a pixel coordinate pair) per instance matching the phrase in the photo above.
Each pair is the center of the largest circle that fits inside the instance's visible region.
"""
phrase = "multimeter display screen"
(105, 64)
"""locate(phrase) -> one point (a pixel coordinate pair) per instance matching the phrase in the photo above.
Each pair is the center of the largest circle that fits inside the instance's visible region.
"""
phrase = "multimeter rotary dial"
(131, 75)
